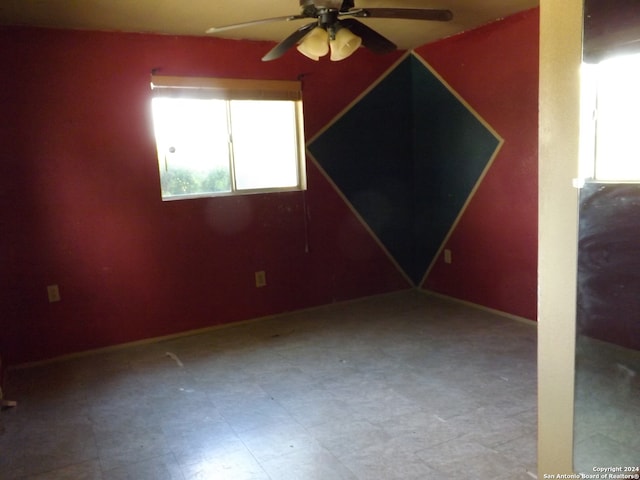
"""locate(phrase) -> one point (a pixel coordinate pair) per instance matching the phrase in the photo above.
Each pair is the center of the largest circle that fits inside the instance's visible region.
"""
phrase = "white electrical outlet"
(53, 293)
(261, 279)
(447, 255)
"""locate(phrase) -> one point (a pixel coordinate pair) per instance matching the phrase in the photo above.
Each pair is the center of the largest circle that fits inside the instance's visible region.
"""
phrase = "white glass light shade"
(344, 44)
(315, 44)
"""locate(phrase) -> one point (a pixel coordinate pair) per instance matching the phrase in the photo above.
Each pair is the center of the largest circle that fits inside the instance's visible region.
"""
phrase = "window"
(610, 144)
(227, 137)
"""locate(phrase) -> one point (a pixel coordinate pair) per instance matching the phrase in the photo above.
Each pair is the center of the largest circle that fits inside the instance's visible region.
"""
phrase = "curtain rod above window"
(226, 88)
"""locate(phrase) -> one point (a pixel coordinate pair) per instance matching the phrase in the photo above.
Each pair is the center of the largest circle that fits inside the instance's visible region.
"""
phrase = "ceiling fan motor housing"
(314, 5)
(339, 18)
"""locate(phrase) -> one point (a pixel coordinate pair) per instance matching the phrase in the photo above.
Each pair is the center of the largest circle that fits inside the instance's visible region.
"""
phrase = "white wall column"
(560, 58)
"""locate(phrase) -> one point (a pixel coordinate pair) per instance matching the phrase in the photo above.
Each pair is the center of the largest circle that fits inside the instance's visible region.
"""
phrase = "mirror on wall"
(607, 389)
(607, 393)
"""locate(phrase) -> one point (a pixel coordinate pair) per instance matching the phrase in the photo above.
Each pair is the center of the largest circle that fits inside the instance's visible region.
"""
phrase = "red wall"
(80, 198)
(494, 246)
(80, 201)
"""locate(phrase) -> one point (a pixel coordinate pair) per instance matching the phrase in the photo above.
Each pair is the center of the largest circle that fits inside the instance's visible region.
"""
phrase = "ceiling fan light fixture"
(315, 44)
(344, 44)
(330, 30)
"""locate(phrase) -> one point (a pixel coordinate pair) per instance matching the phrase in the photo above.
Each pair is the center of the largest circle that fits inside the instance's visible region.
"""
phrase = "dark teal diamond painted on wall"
(451, 149)
(407, 156)
(367, 153)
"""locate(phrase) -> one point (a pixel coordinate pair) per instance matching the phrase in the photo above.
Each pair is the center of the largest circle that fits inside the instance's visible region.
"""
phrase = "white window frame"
(236, 89)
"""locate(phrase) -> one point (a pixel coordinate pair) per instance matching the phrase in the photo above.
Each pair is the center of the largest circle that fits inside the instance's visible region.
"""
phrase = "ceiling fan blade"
(370, 38)
(287, 43)
(403, 13)
(255, 22)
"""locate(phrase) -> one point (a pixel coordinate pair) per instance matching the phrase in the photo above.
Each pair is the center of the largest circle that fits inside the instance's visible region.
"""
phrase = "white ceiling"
(194, 17)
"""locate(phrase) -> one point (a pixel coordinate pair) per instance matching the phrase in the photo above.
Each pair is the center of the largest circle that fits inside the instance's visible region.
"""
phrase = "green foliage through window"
(184, 182)
(212, 146)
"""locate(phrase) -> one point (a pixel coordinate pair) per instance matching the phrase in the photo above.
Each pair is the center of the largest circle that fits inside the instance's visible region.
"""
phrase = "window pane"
(617, 135)
(193, 147)
(265, 148)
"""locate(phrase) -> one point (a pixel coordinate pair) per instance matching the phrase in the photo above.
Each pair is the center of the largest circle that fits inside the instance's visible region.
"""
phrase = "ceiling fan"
(337, 29)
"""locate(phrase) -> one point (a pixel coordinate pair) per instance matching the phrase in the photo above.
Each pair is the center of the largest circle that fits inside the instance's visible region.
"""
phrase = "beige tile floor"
(401, 386)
